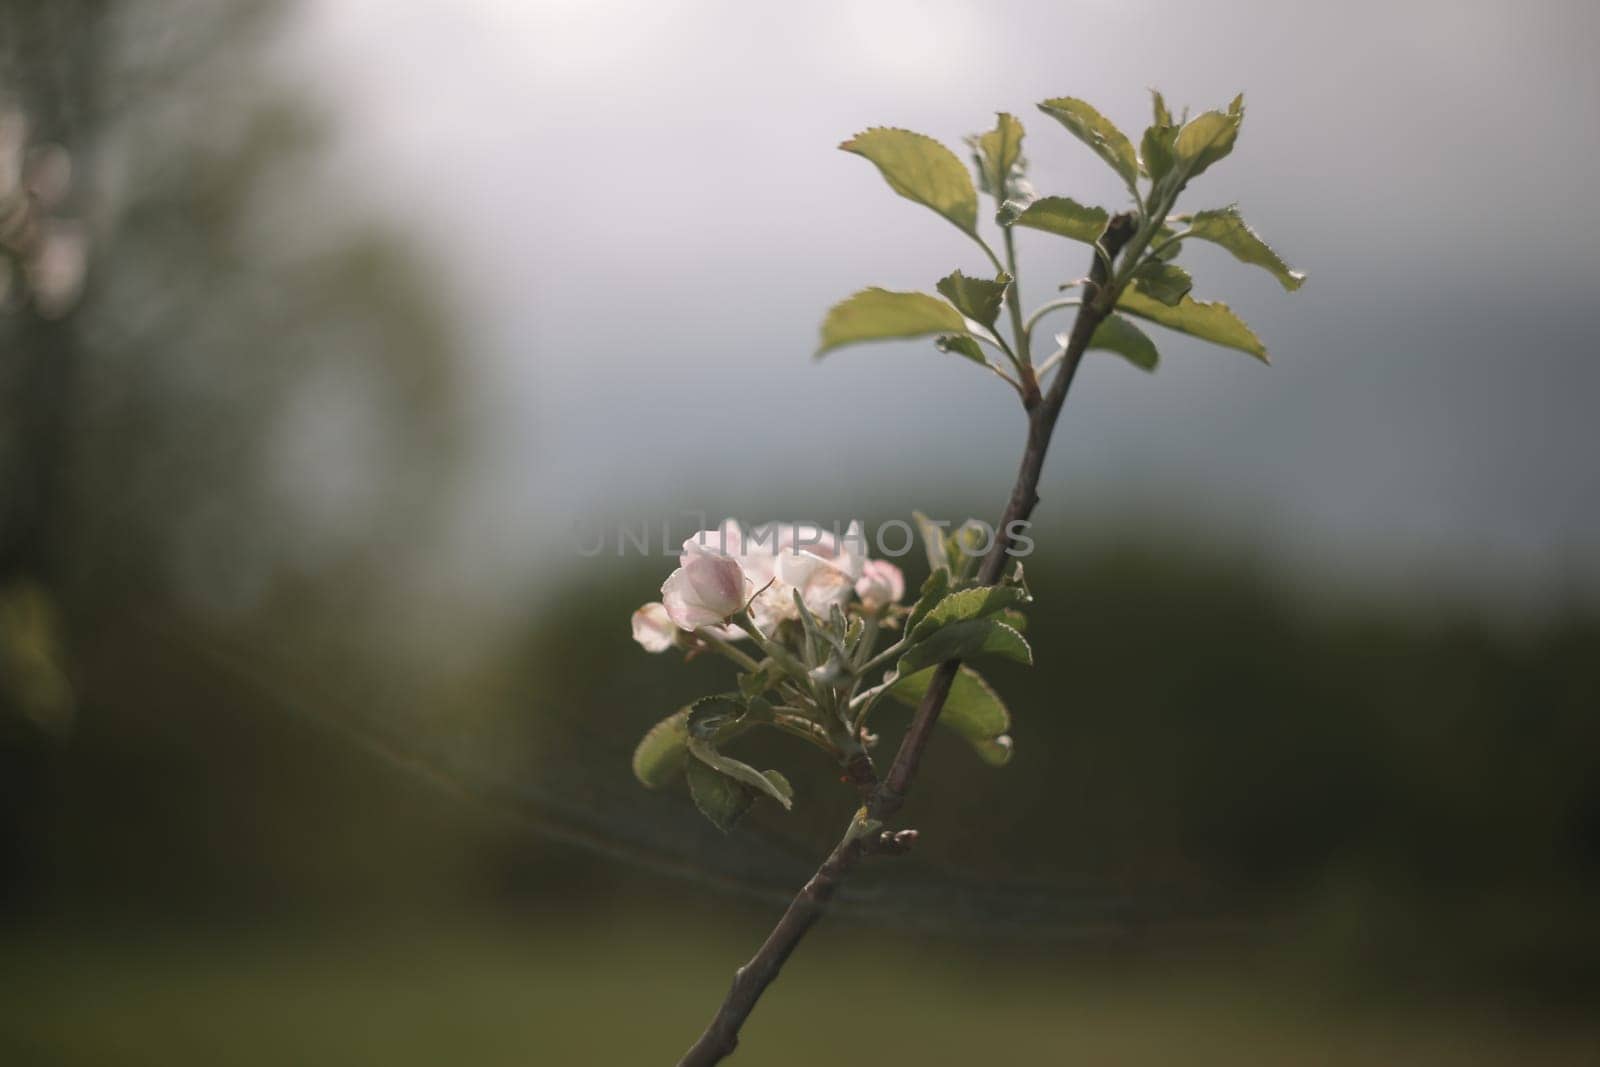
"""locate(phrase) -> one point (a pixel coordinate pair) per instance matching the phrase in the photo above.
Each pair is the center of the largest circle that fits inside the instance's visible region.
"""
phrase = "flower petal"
(719, 580)
(821, 583)
(683, 604)
(726, 539)
(653, 628)
(881, 584)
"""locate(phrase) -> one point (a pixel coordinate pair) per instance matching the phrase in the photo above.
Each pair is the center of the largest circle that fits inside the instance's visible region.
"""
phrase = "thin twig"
(721, 1037)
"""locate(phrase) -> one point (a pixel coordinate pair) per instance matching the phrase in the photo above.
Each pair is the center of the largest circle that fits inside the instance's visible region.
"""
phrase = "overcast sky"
(643, 209)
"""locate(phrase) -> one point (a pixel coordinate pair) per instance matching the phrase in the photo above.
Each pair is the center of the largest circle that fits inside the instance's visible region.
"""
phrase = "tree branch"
(721, 1037)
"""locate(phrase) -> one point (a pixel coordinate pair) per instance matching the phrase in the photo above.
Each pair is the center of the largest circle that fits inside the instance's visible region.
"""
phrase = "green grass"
(596, 992)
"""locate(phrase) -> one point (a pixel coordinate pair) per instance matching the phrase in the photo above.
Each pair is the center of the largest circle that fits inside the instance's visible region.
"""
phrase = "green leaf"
(719, 798)
(1157, 150)
(963, 640)
(1066, 217)
(883, 315)
(977, 298)
(662, 751)
(921, 169)
(934, 589)
(1162, 248)
(998, 154)
(714, 718)
(1166, 282)
(1205, 140)
(973, 710)
(1014, 619)
(739, 771)
(1117, 334)
(1158, 109)
(969, 543)
(779, 783)
(725, 800)
(961, 345)
(974, 603)
(1099, 133)
(1214, 322)
(1225, 226)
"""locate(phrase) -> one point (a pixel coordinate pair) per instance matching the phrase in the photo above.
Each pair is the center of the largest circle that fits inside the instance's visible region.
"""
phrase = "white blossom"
(775, 560)
(822, 565)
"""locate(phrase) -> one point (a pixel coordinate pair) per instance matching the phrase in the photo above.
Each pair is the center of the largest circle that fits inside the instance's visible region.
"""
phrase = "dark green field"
(597, 992)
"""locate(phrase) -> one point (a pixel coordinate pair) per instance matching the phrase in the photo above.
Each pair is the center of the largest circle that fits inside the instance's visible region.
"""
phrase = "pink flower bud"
(707, 589)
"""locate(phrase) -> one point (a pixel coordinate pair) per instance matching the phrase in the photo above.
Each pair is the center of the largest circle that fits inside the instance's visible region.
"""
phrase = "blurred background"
(345, 317)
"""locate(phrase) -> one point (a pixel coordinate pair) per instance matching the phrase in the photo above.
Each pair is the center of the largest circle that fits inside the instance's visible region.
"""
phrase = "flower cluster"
(814, 607)
(775, 570)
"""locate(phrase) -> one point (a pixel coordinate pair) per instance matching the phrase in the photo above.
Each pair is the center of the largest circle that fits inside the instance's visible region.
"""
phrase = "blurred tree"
(238, 448)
